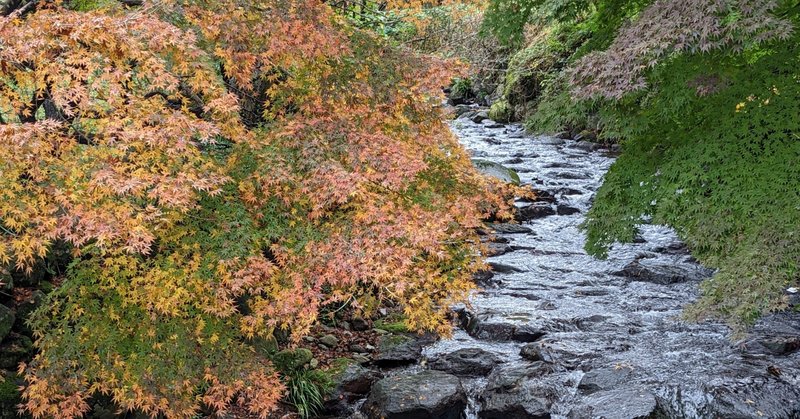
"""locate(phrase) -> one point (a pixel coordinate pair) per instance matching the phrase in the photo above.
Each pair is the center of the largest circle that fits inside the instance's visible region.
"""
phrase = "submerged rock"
(510, 229)
(496, 170)
(617, 404)
(428, 394)
(662, 273)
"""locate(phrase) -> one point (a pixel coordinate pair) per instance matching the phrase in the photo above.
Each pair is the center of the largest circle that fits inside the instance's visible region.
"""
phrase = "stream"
(603, 338)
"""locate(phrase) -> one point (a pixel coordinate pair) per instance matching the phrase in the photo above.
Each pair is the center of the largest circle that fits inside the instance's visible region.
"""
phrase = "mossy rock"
(289, 360)
(501, 111)
(496, 170)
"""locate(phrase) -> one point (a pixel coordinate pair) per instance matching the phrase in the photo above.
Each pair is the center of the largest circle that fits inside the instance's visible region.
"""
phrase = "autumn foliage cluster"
(220, 170)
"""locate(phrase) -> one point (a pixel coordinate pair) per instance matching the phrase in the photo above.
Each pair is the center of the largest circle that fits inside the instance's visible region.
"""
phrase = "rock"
(497, 249)
(462, 109)
(510, 229)
(617, 404)
(514, 393)
(350, 385)
(398, 350)
(329, 340)
(514, 160)
(357, 379)
(571, 175)
(646, 270)
(7, 318)
(358, 324)
(563, 135)
(288, 359)
(480, 117)
(498, 332)
(492, 141)
(602, 379)
(358, 348)
(535, 211)
(428, 394)
(496, 170)
(494, 125)
(503, 268)
(584, 145)
(361, 359)
(471, 362)
(485, 278)
(566, 210)
(531, 352)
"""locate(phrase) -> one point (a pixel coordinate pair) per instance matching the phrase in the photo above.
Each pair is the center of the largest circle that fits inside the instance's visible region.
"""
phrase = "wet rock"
(479, 117)
(570, 175)
(531, 352)
(497, 249)
(617, 404)
(329, 340)
(534, 211)
(428, 394)
(773, 345)
(514, 393)
(510, 229)
(504, 269)
(7, 318)
(494, 125)
(569, 191)
(357, 379)
(472, 362)
(514, 160)
(493, 141)
(500, 332)
(462, 109)
(604, 379)
(657, 272)
(584, 145)
(566, 210)
(398, 350)
(486, 279)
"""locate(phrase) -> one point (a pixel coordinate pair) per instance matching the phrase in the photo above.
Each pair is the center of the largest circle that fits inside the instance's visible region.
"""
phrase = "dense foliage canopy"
(220, 170)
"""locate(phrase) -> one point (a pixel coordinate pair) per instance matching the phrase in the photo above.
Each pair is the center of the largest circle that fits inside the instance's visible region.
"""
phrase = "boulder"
(515, 393)
(351, 385)
(497, 249)
(566, 210)
(480, 117)
(428, 394)
(498, 332)
(535, 211)
(617, 404)
(329, 340)
(399, 350)
(471, 362)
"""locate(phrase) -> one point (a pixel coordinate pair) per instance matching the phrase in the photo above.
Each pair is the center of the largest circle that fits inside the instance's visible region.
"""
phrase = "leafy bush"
(221, 170)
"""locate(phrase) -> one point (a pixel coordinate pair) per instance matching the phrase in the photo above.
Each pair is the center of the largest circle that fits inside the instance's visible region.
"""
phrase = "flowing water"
(609, 337)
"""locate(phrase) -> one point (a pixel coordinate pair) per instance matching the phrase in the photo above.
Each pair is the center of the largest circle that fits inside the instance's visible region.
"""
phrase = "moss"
(501, 111)
(394, 323)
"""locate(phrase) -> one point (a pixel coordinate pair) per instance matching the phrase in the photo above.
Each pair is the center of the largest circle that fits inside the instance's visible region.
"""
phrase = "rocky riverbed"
(557, 333)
